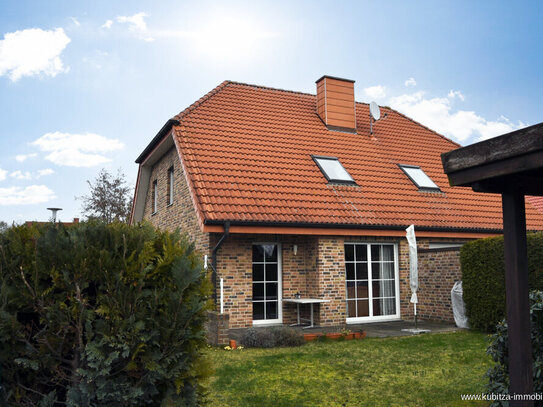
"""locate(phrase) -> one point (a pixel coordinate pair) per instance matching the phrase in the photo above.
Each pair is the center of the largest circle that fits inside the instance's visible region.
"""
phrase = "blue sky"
(87, 85)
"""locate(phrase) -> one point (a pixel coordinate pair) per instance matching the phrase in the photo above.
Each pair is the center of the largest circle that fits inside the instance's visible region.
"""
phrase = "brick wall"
(181, 213)
(318, 270)
(234, 265)
(217, 326)
(438, 270)
(331, 280)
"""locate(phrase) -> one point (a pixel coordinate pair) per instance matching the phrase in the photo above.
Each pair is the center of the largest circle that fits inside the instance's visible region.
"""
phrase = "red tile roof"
(247, 150)
(536, 201)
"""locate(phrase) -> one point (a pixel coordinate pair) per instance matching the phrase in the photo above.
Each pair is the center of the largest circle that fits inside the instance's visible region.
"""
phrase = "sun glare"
(230, 38)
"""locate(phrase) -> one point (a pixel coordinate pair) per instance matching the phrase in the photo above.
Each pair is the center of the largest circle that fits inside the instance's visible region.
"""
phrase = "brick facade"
(217, 326)
(438, 269)
(181, 213)
(317, 269)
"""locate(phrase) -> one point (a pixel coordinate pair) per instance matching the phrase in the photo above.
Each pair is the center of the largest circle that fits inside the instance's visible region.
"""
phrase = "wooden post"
(517, 294)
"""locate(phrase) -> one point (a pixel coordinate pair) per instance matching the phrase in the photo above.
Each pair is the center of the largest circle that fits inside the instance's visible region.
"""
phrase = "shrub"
(271, 337)
(99, 314)
(498, 349)
(483, 276)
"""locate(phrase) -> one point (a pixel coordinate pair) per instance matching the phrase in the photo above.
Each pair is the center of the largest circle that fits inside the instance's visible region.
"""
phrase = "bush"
(99, 314)
(483, 276)
(498, 349)
(271, 337)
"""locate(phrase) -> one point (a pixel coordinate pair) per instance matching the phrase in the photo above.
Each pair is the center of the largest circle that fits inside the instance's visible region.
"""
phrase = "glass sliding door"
(372, 287)
(267, 283)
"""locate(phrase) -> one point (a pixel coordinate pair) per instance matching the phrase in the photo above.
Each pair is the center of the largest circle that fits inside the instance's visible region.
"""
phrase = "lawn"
(424, 370)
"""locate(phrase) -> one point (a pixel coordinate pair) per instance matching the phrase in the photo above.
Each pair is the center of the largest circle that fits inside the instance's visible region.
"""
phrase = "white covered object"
(413, 263)
(459, 309)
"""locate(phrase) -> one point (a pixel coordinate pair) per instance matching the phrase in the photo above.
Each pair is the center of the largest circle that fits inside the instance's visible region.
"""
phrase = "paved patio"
(374, 329)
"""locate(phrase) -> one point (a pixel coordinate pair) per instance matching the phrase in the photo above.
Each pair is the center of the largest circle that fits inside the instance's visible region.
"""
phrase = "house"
(294, 193)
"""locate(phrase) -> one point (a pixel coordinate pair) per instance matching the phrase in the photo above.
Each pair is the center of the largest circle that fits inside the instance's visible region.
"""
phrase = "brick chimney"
(335, 103)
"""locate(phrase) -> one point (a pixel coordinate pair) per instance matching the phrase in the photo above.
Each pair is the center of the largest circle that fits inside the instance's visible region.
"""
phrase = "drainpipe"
(214, 258)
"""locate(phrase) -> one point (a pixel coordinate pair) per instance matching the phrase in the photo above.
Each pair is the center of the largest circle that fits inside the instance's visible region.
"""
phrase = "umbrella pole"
(416, 323)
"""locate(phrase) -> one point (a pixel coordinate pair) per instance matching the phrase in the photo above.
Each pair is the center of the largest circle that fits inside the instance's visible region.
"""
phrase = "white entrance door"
(267, 287)
(372, 286)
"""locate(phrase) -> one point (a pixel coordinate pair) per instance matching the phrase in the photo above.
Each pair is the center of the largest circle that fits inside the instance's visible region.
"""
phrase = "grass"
(424, 370)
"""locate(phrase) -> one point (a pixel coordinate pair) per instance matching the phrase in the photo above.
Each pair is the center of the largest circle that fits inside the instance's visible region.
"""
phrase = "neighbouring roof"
(536, 201)
(248, 154)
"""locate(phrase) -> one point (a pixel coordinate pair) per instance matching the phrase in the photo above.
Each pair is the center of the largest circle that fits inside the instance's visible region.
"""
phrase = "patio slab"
(374, 329)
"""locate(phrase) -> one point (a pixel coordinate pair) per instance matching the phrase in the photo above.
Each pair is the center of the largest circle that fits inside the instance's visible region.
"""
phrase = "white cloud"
(22, 157)
(42, 173)
(21, 175)
(375, 92)
(77, 150)
(461, 125)
(3, 174)
(410, 82)
(32, 194)
(136, 24)
(32, 52)
(27, 175)
(456, 94)
(107, 24)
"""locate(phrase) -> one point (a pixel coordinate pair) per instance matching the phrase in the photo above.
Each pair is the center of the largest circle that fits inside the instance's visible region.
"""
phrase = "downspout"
(214, 258)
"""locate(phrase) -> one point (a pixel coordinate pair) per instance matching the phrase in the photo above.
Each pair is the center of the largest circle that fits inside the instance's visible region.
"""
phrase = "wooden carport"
(510, 165)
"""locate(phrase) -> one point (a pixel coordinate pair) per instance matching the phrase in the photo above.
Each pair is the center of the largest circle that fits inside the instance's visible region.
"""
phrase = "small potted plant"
(347, 334)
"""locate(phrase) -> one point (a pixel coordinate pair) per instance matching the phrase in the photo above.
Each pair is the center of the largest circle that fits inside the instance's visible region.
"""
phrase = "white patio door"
(267, 287)
(372, 286)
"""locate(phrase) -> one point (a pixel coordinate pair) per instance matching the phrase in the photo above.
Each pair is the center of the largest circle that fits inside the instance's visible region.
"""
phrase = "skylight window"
(333, 170)
(419, 177)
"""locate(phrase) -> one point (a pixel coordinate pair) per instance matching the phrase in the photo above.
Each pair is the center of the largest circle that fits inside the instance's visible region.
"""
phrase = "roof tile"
(248, 152)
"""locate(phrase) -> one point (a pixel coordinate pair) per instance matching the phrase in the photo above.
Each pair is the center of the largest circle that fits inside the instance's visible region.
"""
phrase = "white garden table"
(309, 301)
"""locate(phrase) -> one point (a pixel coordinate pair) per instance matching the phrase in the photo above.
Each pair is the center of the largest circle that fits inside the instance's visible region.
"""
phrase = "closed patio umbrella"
(413, 267)
(413, 274)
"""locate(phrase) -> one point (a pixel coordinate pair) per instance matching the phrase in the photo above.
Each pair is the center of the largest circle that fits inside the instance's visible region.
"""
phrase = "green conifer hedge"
(483, 276)
(498, 375)
(97, 314)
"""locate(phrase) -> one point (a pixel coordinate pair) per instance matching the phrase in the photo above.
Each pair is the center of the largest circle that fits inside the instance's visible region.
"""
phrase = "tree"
(3, 226)
(101, 315)
(110, 198)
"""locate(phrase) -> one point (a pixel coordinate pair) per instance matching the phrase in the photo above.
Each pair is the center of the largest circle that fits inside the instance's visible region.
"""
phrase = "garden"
(98, 314)
(424, 370)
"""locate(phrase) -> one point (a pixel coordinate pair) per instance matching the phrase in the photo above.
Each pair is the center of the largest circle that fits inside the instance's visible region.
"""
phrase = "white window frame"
(170, 186)
(279, 320)
(380, 318)
(155, 196)
(406, 167)
(317, 159)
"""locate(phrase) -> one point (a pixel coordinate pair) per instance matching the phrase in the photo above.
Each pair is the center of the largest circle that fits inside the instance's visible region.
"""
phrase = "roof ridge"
(281, 90)
(227, 82)
(203, 99)
(271, 88)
